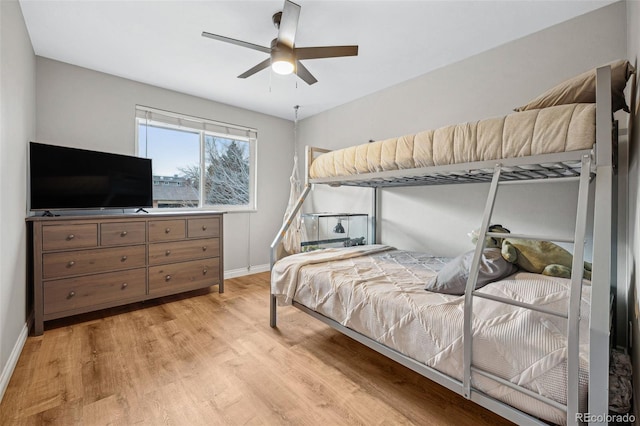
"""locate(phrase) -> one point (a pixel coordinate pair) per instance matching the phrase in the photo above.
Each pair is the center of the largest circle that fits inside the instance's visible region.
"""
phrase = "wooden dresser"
(85, 263)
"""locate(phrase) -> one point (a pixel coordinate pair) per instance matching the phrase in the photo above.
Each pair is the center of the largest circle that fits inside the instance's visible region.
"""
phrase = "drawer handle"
(124, 285)
(167, 278)
(167, 253)
(123, 233)
(204, 271)
(167, 230)
(204, 248)
(70, 237)
(71, 263)
(124, 258)
(71, 294)
(204, 227)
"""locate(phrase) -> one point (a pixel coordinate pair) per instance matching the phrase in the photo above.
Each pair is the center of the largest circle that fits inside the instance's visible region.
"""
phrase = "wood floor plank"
(207, 358)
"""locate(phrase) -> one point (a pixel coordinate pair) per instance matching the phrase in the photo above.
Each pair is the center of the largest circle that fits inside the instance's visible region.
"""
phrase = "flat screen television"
(62, 178)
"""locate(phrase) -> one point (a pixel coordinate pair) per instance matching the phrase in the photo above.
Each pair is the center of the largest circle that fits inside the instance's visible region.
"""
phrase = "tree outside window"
(227, 172)
(226, 166)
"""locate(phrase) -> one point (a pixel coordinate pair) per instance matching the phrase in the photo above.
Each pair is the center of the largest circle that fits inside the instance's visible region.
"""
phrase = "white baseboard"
(241, 272)
(7, 371)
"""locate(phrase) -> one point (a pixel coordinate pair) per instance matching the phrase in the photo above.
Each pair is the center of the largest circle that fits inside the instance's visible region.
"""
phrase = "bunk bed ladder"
(573, 314)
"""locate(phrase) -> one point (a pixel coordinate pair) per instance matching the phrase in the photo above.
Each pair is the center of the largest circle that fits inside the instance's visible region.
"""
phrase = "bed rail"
(276, 242)
(604, 274)
(545, 166)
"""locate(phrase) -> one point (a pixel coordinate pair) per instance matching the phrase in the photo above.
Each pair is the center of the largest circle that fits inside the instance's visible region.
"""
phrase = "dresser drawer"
(183, 250)
(77, 262)
(177, 277)
(95, 290)
(61, 237)
(120, 233)
(203, 227)
(166, 230)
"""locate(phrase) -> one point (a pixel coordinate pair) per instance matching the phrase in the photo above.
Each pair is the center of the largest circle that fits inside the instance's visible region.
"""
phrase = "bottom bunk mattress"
(379, 292)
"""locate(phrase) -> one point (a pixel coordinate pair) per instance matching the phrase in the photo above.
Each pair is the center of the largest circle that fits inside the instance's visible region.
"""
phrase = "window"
(186, 151)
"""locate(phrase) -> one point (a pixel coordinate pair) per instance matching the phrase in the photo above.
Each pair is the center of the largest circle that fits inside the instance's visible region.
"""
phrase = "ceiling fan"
(284, 56)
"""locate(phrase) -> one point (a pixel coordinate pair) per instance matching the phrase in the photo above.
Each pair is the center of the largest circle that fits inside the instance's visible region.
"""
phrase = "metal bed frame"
(595, 166)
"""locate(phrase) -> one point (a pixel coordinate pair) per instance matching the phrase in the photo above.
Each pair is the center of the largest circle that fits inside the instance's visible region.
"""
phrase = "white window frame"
(204, 127)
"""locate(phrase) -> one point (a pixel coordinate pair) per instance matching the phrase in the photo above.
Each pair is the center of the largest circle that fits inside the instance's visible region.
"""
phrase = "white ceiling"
(160, 43)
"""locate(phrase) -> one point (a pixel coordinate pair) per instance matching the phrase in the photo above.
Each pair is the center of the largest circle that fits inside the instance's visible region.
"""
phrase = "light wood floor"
(212, 359)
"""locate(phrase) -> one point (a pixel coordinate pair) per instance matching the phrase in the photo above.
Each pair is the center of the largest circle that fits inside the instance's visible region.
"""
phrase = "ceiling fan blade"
(304, 74)
(289, 23)
(325, 52)
(262, 65)
(237, 42)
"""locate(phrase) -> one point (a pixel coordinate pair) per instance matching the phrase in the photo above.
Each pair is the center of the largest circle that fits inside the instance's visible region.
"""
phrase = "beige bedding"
(381, 295)
(542, 131)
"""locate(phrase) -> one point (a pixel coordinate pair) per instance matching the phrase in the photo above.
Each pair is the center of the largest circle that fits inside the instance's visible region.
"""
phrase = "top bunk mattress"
(550, 130)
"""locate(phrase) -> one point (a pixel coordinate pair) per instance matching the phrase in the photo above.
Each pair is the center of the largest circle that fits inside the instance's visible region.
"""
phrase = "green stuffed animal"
(541, 257)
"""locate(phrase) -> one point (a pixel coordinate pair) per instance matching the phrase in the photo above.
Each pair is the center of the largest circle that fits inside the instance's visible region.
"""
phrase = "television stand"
(141, 210)
(47, 213)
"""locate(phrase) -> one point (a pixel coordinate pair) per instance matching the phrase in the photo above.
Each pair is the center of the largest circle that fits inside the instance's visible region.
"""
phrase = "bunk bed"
(398, 318)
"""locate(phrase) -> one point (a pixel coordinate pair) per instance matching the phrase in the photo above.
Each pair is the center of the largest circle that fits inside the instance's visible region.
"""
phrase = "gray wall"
(88, 109)
(17, 127)
(633, 53)
(437, 219)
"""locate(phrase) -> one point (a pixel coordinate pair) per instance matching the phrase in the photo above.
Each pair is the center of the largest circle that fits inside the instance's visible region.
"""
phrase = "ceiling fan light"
(282, 60)
(282, 67)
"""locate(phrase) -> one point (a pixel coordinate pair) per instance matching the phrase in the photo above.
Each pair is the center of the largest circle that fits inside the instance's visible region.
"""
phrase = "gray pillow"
(452, 278)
